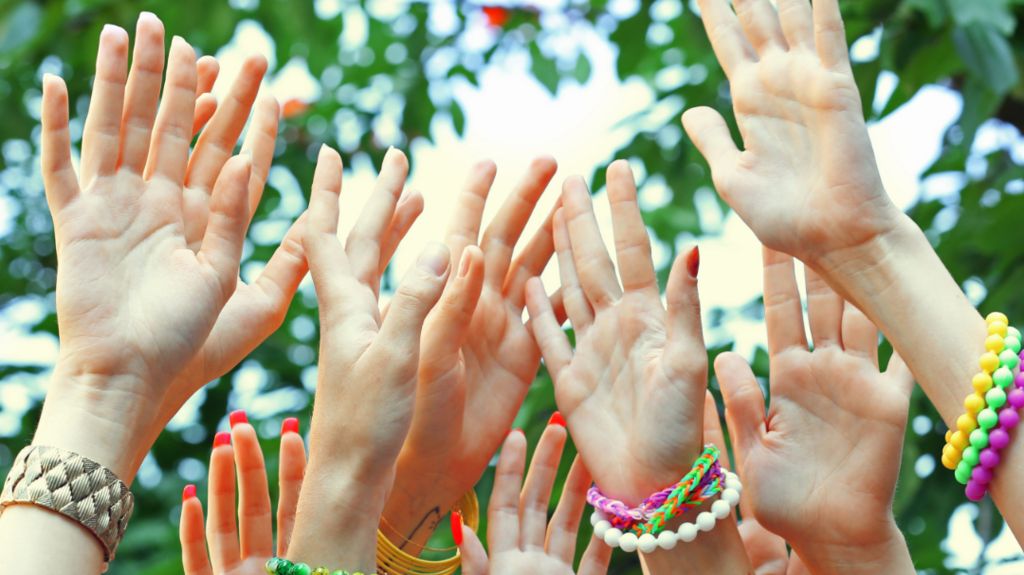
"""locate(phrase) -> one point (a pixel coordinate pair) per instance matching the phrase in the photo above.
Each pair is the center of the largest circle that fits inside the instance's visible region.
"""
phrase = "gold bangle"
(393, 561)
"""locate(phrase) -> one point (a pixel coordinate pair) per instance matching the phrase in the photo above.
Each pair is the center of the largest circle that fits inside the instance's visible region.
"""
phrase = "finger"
(260, 143)
(595, 558)
(217, 142)
(824, 311)
(102, 132)
(713, 433)
(530, 263)
(595, 268)
(536, 494)
(830, 35)
(206, 107)
(580, 313)
(474, 558)
(255, 523)
(142, 92)
(783, 314)
(501, 236)
(565, 523)
(684, 355)
(632, 244)
(207, 70)
(364, 244)
(408, 210)
(464, 227)
(503, 511)
(327, 261)
(221, 529)
(552, 341)
(285, 270)
(446, 328)
(726, 36)
(190, 532)
(172, 133)
(59, 177)
(761, 25)
(291, 470)
(767, 552)
(797, 23)
(744, 403)
(709, 132)
(898, 370)
(860, 336)
(229, 217)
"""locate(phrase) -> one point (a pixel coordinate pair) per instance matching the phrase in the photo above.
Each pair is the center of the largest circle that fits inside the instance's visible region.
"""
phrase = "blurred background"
(452, 82)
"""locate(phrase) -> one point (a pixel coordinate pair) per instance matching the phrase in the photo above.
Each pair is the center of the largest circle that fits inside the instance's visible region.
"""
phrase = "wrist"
(718, 551)
(888, 554)
(413, 512)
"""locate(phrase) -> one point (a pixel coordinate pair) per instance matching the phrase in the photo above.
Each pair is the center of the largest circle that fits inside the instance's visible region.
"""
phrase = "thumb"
(898, 371)
(474, 558)
(744, 403)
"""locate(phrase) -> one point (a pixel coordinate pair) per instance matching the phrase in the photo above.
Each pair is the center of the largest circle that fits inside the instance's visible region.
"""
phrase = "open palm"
(633, 391)
(800, 117)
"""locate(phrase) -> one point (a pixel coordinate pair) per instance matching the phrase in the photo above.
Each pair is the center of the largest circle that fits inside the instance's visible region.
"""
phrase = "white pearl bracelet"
(687, 532)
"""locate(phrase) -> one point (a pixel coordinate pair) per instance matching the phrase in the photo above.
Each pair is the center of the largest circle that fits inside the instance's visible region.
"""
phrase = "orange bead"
(966, 424)
(997, 316)
(974, 403)
(982, 382)
(997, 328)
(995, 343)
(959, 440)
(989, 362)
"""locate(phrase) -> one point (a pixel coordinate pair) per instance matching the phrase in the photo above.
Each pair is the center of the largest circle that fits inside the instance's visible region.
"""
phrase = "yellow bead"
(951, 455)
(989, 362)
(997, 328)
(995, 343)
(997, 316)
(949, 435)
(966, 424)
(948, 464)
(974, 403)
(959, 440)
(982, 382)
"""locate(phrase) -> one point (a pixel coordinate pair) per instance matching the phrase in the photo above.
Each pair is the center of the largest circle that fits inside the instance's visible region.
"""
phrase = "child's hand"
(478, 357)
(806, 181)
(633, 390)
(820, 469)
(241, 547)
(520, 538)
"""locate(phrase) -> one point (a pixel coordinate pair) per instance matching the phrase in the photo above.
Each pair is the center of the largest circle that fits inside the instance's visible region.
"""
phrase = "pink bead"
(975, 491)
(1019, 380)
(1008, 419)
(1016, 398)
(998, 439)
(989, 459)
(981, 475)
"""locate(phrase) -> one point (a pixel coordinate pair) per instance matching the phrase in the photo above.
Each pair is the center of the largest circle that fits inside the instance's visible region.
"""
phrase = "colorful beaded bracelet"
(987, 459)
(278, 566)
(668, 539)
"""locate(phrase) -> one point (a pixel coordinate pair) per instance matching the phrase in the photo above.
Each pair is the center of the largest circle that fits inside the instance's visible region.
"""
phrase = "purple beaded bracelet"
(998, 439)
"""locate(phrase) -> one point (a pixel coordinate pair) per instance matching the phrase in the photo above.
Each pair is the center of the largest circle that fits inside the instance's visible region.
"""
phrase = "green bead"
(1013, 332)
(340, 572)
(321, 571)
(302, 569)
(963, 472)
(1012, 343)
(979, 439)
(995, 398)
(1008, 359)
(987, 418)
(272, 565)
(971, 455)
(1003, 377)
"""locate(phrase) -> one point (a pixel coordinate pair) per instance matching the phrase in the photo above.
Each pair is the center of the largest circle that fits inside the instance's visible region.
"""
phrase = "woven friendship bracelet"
(680, 501)
(74, 486)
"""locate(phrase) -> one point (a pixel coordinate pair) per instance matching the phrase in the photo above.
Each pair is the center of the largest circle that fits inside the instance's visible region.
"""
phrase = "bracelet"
(74, 486)
(667, 539)
(278, 566)
(985, 461)
(391, 560)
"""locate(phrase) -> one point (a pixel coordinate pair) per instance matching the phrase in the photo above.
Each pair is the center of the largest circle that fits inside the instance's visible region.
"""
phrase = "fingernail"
(557, 419)
(222, 438)
(693, 262)
(456, 521)
(515, 430)
(290, 424)
(147, 16)
(189, 492)
(236, 417)
(464, 264)
(435, 259)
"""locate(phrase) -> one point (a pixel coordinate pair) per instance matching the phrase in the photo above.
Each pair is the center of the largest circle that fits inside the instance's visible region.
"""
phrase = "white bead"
(687, 532)
(612, 536)
(705, 521)
(733, 482)
(628, 542)
(720, 509)
(667, 540)
(648, 543)
(731, 496)
(601, 528)
(595, 517)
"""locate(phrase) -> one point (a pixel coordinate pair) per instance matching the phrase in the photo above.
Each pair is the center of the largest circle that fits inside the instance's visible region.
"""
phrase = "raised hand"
(478, 358)
(806, 180)
(520, 538)
(820, 468)
(243, 546)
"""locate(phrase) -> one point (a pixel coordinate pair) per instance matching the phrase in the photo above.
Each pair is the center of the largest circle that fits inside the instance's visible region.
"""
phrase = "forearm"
(890, 556)
(412, 516)
(717, 551)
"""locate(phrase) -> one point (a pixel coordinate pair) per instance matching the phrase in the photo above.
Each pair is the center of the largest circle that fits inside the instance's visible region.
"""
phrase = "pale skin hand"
(364, 360)
(241, 546)
(519, 536)
(820, 468)
(477, 362)
(633, 389)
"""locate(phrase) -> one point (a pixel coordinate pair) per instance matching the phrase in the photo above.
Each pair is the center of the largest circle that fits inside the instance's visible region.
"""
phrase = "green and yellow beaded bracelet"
(278, 566)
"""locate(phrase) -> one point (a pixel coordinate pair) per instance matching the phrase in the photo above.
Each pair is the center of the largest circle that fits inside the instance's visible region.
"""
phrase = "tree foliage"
(390, 85)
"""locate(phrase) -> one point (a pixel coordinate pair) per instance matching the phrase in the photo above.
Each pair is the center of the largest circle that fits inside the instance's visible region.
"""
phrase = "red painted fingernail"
(557, 419)
(222, 438)
(237, 416)
(290, 424)
(456, 522)
(693, 262)
(189, 492)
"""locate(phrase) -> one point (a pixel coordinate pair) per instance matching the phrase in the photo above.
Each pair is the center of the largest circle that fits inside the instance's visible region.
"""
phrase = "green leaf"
(544, 69)
(583, 69)
(988, 56)
(995, 13)
(20, 27)
(458, 119)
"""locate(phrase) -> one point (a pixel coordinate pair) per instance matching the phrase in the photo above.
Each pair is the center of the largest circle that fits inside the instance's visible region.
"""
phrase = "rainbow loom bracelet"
(987, 459)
